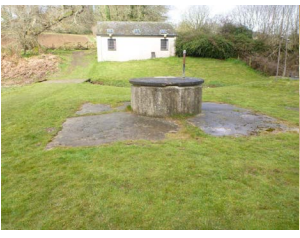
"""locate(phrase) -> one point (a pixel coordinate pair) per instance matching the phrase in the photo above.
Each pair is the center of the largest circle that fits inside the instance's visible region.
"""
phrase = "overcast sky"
(177, 10)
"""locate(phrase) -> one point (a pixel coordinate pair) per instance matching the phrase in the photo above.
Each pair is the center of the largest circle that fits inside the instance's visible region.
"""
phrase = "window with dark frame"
(111, 44)
(164, 44)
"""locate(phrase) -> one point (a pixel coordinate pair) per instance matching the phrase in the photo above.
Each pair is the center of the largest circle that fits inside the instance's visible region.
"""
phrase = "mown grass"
(188, 181)
(215, 72)
(69, 71)
(274, 98)
(229, 81)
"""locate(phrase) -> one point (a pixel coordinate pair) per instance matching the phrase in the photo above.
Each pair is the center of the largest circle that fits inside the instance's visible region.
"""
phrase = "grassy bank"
(188, 181)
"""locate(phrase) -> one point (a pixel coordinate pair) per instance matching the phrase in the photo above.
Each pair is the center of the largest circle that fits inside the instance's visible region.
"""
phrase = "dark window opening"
(164, 44)
(111, 44)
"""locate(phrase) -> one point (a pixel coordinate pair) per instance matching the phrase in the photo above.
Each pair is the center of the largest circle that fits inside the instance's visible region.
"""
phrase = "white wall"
(133, 48)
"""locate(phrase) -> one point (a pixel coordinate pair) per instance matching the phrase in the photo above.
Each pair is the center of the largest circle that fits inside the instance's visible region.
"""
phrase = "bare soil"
(77, 59)
(64, 40)
(20, 71)
(55, 41)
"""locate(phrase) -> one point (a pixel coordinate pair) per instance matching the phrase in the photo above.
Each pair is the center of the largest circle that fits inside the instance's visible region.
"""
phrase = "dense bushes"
(230, 29)
(231, 41)
(235, 41)
(210, 46)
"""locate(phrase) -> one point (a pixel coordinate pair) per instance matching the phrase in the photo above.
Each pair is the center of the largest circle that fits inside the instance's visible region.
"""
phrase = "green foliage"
(207, 46)
(242, 39)
(260, 46)
(232, 41)
(231, 29)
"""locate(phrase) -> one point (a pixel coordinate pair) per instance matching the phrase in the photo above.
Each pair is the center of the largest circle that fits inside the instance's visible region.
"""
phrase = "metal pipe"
(183, 66)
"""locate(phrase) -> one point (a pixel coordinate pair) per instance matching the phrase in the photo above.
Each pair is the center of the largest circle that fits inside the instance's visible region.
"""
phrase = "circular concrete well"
(166, 96)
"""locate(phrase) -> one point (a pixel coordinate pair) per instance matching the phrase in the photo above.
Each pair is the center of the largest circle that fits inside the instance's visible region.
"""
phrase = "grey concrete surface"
(106, 128)
(228, 120)
(88, 108)
(93, 108)
(166, 81)
(166, 101)
(216, 119)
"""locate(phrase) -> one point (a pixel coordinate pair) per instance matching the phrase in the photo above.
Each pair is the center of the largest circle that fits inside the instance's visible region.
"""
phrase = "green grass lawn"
(188, 181)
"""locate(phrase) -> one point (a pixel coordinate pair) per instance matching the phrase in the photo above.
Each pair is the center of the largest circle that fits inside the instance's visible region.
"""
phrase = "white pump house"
(122, 41)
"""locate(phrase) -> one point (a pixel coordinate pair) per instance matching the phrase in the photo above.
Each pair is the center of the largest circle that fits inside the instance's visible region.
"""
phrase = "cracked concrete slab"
(107, 128)
(228, 120)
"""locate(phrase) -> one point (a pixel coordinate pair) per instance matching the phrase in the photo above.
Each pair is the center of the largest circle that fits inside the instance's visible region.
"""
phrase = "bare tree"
(272, 24)
(195, 18)
(266, 19)
(79, 23)
(25, 23)
(132, 12)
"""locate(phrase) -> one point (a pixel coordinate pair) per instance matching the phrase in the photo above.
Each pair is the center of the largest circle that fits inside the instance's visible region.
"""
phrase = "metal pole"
(183, 66)
(285, 57)
(278, 61)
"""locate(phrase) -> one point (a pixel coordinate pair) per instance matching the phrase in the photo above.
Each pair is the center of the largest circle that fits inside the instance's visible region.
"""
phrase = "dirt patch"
(20, 71)
(97, 82)
(65, 41)
(7, 41)
(56, 41)
(77, 59)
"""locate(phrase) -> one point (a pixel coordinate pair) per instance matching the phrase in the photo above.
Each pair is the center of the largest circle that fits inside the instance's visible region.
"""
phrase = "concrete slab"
(66, 81)
(228, 120)
(93, 108)
(88, 108)
(106, 128)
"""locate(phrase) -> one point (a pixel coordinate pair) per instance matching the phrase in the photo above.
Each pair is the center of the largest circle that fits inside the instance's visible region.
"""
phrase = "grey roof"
(119, 28)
